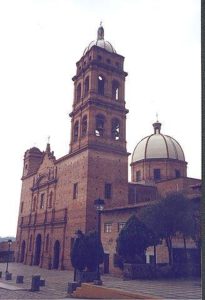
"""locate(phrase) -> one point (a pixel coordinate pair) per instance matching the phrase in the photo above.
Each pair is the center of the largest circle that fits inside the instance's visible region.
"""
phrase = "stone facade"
(57, 195)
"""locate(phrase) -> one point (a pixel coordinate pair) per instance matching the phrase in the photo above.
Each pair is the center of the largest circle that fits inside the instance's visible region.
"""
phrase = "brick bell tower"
(98, 125)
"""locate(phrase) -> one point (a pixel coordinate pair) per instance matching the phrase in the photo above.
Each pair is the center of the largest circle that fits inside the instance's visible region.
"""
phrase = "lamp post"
(99, 204)
(7, 263)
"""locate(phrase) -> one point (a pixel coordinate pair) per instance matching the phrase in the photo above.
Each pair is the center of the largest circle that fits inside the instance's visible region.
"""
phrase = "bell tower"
(99, 113)
(98, 123)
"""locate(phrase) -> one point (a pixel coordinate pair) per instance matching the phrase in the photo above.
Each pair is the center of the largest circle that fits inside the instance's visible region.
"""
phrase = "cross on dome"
(157, 117)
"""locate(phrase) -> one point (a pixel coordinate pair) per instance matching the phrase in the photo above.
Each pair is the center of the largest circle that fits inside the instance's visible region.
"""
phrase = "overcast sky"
(40, 42)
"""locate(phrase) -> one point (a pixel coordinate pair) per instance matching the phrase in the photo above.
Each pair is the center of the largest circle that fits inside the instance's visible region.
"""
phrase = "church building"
(57, 195)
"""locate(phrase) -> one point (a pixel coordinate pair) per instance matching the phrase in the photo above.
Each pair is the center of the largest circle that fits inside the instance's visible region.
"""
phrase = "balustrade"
(48, 217)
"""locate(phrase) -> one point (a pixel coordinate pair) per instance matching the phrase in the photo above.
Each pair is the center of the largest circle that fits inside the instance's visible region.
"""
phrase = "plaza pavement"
(57, 281)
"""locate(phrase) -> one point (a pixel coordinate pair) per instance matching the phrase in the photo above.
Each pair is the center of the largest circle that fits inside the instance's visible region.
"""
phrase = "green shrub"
(138, 271)
(187, 270)
(164, 271)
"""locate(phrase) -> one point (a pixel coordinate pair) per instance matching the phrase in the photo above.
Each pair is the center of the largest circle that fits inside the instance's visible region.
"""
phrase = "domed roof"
(156, 146)
(100, 42)
(34, 149)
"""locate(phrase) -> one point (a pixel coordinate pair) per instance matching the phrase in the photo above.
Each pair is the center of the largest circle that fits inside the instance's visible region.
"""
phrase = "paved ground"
(57, 281)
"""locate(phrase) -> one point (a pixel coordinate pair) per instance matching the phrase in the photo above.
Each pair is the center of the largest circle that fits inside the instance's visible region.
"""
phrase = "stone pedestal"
(72, 286)
(19, 279)
(97, 282)
(42, 282)
(85, 276)
(35, 283)
(8, 276)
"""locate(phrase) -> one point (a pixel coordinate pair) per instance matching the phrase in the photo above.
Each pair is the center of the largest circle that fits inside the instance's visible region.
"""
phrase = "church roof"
(157, 146)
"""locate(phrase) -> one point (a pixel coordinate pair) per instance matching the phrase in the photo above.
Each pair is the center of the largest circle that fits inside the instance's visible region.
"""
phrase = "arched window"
(99, 128)
(47, 242)
(86, 85)
(75, 132)
(78, 94)
(34, 204)
(84, 126)
(101, 85)
(115, 90)
(30, 243)
(115, 129)
(50, 200)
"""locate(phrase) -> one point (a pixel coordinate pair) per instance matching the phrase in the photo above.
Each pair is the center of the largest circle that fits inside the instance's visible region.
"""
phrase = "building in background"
(158, 167)
(6, 252)
(57, 195)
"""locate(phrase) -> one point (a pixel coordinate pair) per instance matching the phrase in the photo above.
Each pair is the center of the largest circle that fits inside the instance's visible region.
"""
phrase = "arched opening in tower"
(99, 129)
(75, 133)
(101, 85)
(78, 95)
(86, 85)
(84, 126)
(115, 129)
(115, 90)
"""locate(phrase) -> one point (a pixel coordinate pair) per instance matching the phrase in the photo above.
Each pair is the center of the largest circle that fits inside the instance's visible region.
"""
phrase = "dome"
(157, 146)
(100, 42)
(34, 150)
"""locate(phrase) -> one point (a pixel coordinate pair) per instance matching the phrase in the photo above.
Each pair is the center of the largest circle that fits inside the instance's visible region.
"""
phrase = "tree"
(78, 252)
(133, 240)
(196, 235)
(168, 217)
(87, 252)
(95, 252)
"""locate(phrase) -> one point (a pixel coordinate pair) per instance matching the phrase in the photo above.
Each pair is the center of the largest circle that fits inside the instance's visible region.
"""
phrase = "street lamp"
(8, 256)
(99, 204)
